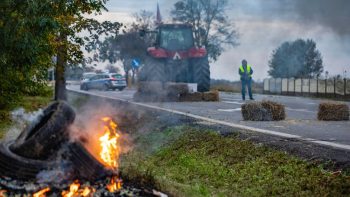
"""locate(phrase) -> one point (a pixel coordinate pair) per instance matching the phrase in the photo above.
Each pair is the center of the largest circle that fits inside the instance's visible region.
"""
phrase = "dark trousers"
(249, 84)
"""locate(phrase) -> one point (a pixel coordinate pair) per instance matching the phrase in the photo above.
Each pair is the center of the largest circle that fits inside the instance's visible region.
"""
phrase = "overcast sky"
(263, 25)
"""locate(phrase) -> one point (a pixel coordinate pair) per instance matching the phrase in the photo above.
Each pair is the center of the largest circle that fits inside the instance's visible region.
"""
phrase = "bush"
(333, 111)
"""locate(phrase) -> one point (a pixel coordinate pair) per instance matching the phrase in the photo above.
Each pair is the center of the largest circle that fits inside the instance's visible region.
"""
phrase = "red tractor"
(175, 58)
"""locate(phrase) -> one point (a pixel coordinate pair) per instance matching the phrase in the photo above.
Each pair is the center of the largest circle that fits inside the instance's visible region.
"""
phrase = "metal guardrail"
(332, 87)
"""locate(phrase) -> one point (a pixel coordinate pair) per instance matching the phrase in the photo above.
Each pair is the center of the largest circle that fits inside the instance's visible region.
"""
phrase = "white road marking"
(232, 102)
(230, 110)
(230, 99)
(233, 125)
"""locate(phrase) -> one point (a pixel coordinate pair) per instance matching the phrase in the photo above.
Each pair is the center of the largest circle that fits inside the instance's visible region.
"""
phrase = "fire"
(109, 143)
(2, 193)
(75, 190)
(115, 184)
(41, 193)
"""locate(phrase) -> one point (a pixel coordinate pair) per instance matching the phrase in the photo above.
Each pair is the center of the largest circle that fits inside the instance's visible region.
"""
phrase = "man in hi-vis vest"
(246, 71)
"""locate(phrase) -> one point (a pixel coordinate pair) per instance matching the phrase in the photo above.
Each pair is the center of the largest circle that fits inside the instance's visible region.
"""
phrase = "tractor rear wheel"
(153, 70)
(201, 74)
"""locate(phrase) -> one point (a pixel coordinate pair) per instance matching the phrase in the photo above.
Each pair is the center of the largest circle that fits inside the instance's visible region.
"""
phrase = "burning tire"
(201, 74)
(42, 139)
(19, 167)
(86, 166)
(153, 70)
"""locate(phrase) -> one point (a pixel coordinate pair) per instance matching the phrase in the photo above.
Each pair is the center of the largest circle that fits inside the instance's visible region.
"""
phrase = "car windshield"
(117, 76)
(88, 76)
(176, 39)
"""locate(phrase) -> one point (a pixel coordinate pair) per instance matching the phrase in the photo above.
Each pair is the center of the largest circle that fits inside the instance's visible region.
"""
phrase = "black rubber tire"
(86, 166)
(153, 70)
(201, 74)
(121, 89)
(105, 87)
(42, 139)
(18, 167)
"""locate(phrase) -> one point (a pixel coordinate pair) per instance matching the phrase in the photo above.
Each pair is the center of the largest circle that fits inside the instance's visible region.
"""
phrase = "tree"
(71, 20)
(25, 52)
(299, 58)
(112, 69)
(32, 32)
(212, 27)
(129, 45)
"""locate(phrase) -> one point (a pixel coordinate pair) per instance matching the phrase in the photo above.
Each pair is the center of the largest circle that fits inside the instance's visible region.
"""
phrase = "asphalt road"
(301, 112)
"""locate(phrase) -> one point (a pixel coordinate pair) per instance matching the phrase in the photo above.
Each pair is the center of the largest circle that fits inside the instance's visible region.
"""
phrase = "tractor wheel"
(153, 70)
(41, 139)
(201, 74)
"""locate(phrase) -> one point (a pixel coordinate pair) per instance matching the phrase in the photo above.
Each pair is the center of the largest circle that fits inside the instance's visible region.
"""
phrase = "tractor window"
(176, 39)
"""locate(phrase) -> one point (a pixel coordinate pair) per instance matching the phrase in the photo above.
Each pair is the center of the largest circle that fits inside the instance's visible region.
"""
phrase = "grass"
(29, 103)
(184, 161)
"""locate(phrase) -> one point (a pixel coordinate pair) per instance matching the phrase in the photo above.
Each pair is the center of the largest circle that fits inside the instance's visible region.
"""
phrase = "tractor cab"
(174, 37)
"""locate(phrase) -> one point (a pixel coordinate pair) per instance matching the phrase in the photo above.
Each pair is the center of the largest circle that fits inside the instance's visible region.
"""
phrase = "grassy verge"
(183, 161)
(29, 103)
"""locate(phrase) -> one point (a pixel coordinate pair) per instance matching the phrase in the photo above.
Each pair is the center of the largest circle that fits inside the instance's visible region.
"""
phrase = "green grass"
(186, 162)
(29, 103)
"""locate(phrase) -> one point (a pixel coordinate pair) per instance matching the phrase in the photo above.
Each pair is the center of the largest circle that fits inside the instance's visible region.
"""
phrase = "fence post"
(344, 87)
(325, 85)
(334, 92)
(317, 86)
(309, 86)
(294, 86)
(301, 85)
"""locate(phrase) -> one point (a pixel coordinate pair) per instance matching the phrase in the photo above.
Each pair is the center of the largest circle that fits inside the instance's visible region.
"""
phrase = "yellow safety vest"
(248, 70)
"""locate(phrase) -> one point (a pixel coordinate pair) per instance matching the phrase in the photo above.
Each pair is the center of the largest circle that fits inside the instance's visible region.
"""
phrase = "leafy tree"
(299, 58)
(70, 15)
(212, 27)
(129, 45)
(112, 69)
(25, 52)
(32, 32)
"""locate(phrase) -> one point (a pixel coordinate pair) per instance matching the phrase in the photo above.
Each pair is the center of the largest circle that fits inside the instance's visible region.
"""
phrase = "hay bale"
(211, 96)
(150, 87)
(277, 110)
(333, 111)
(191, 97)
(255, 111)
(176, 88)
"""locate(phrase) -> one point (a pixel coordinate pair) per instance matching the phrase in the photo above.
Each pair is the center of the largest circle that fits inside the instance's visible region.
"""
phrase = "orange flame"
(109, 143)
(2, 192)
(115, 184)
(41, 193)
(75, 190)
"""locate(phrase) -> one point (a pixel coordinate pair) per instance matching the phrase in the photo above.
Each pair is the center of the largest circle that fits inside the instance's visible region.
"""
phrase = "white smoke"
(21, 119)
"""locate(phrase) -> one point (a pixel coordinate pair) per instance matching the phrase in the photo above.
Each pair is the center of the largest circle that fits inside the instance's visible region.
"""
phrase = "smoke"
(21, 119)
(88, 126)
(334, 14)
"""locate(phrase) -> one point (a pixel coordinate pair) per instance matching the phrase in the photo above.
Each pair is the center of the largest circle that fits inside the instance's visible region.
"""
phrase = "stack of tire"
(37, 147)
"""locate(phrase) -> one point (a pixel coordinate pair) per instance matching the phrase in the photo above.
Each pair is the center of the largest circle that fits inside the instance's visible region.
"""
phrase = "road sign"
(135, 63)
